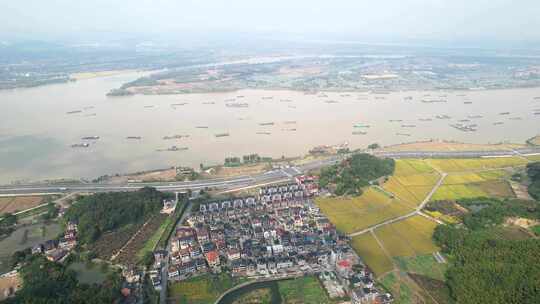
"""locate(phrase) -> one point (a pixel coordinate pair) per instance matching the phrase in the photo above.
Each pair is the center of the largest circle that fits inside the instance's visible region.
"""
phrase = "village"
(57, 250)
(278, 234)
(54, 250)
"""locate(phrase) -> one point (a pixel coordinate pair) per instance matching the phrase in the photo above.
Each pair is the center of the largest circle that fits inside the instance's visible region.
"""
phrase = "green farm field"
(303, 290)
(425, 265)
(201, 290)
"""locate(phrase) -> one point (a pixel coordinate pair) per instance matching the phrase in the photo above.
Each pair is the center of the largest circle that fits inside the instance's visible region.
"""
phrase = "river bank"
(31, 148)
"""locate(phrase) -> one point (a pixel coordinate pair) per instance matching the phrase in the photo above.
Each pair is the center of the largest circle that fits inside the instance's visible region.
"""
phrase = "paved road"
(166, 186)
(245, 181)
(220, 183)
(461, 154)
(165, 268)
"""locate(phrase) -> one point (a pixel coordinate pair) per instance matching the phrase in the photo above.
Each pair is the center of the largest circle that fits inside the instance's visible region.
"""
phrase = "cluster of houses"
(355, 279)
(278, 233)
(57, 250)
(348, 276)
(309, 183)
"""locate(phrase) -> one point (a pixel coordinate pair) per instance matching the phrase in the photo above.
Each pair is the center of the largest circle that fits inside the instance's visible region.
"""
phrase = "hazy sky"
(388, 19)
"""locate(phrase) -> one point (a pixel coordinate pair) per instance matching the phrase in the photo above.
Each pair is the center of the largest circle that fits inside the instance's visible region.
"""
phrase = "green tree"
(488, 266)
(9, 219)
(354, 173)
(533, 171)
(374, 146)
(52, 212)
(49, 282)
(104, 212)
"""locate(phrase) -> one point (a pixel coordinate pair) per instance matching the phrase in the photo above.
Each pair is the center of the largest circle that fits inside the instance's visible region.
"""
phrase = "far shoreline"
(129, 93)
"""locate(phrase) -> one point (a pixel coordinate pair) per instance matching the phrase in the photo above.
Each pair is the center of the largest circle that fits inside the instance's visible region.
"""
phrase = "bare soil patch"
(111, 242)
(521, 222)
(163, 175)
(19, 203)
(222, 171)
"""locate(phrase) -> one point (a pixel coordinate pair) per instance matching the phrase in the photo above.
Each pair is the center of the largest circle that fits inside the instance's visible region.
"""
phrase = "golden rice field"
(500, 188)
(484, 189)
(407, 238)
(393, 242)
(414, 233)
(443, 217)
(412, 166)
(459, 185)
(474, 177)
(412, 181)
(351, 214)
(455, 192)
(427, 179)
(534, 158)
(469, 164)
(372, 254)
(400, 191)
(410, 195)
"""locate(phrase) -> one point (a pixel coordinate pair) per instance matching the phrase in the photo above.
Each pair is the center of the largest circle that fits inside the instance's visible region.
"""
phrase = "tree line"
(47, 282)
(533, 172)
(104, 212)
(488, 266)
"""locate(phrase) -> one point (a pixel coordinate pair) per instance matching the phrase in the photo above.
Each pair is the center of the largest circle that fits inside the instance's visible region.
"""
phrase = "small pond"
(25, 237)
(88, 273)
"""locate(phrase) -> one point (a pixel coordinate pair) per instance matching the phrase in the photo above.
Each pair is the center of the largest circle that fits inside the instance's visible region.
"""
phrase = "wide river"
(36, 133)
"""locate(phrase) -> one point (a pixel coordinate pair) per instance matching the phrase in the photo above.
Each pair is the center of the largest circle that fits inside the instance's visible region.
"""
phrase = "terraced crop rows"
(128, 255)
